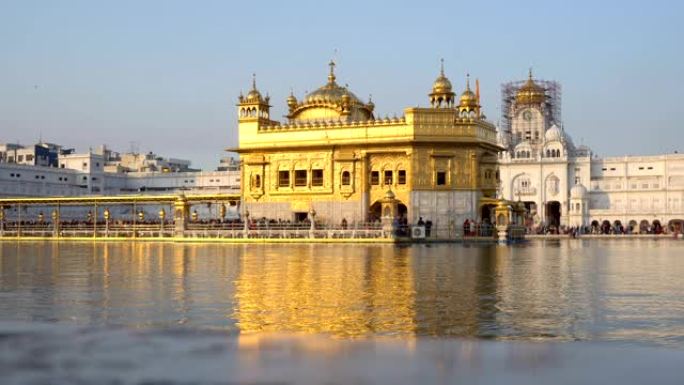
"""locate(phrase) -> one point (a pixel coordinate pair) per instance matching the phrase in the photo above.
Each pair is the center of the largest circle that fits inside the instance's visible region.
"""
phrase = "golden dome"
(468, 97)
(331, 92)
(530, 92)
(291, 100)
(442, 94)
(334, 99)
(442, 85)
(254, 96)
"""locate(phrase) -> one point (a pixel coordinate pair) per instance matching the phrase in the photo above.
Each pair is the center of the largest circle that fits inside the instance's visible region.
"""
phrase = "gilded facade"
(334, 157)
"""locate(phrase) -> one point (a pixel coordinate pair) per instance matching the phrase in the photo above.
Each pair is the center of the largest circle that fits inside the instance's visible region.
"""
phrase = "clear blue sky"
(166, 74)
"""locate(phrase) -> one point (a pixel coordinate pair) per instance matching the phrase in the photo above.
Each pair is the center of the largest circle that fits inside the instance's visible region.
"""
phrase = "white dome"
(553, 133)
(578, 191)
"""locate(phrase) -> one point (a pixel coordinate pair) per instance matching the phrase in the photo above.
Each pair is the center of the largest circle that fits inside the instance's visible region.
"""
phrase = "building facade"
(335, 158)
(563, 184)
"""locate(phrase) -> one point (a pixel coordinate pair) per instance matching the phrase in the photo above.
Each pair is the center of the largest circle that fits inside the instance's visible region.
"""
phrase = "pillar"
(502, 213)
(56, 222)
(2, 221)
(180, 216)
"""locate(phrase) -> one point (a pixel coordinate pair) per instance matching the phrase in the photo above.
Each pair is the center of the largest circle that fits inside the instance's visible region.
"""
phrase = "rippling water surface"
(626, 291)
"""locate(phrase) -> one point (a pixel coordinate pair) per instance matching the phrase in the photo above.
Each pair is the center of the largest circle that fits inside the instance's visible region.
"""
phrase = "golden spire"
(254, 95)
(468, 81)
(441, 67)
(331, 76)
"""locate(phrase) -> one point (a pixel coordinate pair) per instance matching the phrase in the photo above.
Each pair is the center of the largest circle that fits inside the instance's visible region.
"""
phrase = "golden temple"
(333, 158)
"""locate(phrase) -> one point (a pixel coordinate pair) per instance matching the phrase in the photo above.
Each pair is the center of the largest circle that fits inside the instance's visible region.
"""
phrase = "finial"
(331, 76)
(370, 98)
(468, 81)
(441, 66)
(530, 73)
(254, 81)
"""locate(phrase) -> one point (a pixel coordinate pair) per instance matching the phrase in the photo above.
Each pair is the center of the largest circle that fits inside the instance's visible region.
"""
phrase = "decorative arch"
(552, 184)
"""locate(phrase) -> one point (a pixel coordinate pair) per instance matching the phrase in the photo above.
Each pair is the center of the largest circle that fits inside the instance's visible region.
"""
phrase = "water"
(624, 292)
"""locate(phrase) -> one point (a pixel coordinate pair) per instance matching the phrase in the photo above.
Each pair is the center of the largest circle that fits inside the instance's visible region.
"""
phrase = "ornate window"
(375, 178)
(388, 177)
(283, 179)
(401, 177)
(317, 178)
(257, 181)
(346, 178)
(300, 178)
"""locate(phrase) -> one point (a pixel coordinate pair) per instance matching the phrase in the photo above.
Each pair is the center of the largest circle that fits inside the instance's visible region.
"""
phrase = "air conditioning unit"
(418, 232)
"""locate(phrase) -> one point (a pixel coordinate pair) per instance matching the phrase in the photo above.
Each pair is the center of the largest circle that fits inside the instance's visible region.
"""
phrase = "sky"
(164, 76)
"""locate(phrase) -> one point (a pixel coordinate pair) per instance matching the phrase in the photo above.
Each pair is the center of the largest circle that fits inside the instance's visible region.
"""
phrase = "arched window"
(548, 153)
(257, 181)
(346, 178)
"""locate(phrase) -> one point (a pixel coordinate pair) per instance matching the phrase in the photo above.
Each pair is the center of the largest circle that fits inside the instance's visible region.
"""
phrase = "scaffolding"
(552, 89)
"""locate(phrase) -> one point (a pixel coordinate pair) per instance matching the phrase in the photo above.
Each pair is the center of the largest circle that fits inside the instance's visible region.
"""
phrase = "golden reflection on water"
(584, 290)
(353, 291)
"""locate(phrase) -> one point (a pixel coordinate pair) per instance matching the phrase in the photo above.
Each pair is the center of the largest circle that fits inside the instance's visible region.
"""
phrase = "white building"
(563, 184)
(84, 174)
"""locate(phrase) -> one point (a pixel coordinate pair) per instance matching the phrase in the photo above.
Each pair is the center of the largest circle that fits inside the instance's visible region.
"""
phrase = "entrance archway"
(553, 213)
(617, 227)
(605, 227)
(676, 225)
(643, 226)
(657, 227)
(632, 226)
(486, 213)
(374, 212)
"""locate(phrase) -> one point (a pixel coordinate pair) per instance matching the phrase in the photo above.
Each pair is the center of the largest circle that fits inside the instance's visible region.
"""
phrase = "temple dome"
(441, 85)
(253, 96)
(442, 95)
(530, 92)
(553, 133)
(330, 102)
(578, 191)
(468, 97)
(331, 93)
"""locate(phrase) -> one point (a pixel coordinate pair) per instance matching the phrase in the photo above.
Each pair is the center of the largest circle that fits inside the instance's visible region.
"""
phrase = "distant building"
(228, 164)
(50, 170)
(41, 154)
(563, 184)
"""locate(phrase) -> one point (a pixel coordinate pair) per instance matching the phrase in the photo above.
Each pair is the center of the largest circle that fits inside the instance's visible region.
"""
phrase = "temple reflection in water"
(583, 290)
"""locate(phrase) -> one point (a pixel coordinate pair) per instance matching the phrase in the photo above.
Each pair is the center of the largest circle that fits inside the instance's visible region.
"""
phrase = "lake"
(623, 292)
